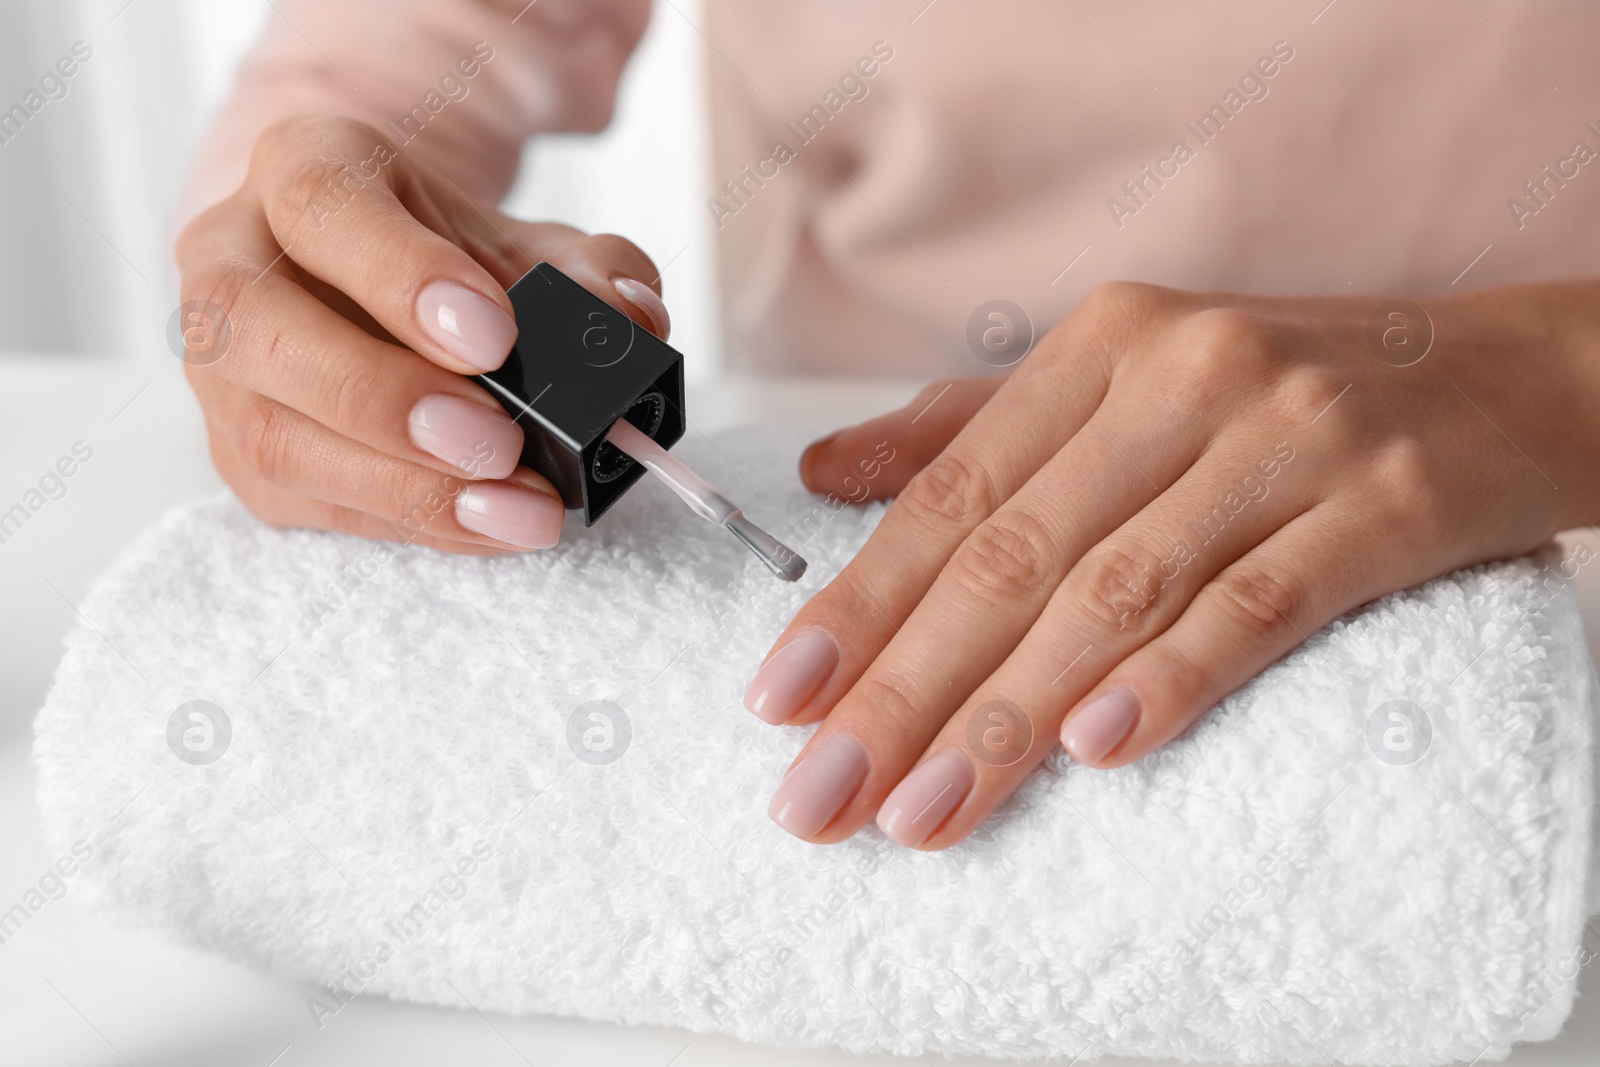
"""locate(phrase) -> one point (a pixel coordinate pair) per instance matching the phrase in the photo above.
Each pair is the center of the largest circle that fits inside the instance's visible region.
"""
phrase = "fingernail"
(820, 786)
(645, 299)
(925, 798)
(1094, 730)
(481, 442)
(792, 676)
(516, 515)
(468, 325)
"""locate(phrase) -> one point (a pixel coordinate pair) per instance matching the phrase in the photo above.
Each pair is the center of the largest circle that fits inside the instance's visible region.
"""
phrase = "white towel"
(414, 793)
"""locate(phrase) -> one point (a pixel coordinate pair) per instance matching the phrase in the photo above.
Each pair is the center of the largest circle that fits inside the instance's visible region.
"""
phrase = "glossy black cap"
(579, 365)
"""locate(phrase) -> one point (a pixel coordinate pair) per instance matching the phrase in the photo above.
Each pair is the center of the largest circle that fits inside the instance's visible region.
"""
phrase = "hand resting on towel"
(1169, 493)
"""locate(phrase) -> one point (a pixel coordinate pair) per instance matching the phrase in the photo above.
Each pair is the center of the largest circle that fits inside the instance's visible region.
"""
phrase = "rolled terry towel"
(527, 784)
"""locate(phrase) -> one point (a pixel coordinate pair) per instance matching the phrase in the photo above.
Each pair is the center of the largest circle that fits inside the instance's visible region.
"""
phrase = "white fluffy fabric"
(1265, 889)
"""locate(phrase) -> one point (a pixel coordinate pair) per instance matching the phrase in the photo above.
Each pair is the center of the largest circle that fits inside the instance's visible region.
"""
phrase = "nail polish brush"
(705, 501)
(600, 401)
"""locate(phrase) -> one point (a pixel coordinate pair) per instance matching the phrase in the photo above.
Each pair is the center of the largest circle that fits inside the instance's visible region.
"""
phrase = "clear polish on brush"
(705, 501)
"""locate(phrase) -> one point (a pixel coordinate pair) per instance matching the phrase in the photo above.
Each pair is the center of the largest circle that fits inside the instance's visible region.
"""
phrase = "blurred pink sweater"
(880, 170)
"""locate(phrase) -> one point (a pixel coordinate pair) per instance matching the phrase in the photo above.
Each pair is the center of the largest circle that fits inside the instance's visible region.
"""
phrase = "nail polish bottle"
(578, 366)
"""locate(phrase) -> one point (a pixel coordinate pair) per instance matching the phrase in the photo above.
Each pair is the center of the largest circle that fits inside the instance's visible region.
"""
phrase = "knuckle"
(287, 134)
(846, 603)
(1011, 555)
(307, 135)
(1218, 345)
(352, 388)
(886, 699)
(950, 491)
(225, 283)
(1111, 315)
(1229, 327)
(1305, 394)
(508, 245)
(1119, 299)
(1410, 495)
(613, 249)
(304, 186)
(265, 437)
(1119, 588)
(850, 596)
(1255, 600)
(219, 217)
(279, 138)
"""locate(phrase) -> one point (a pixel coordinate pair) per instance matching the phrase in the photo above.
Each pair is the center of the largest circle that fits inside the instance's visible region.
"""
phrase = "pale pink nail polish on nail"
(925, 798)
(792, 676)
(516, 515)
(1094, 730)
(478, 441)
(820, 786)
(466, 324)
(645, 299)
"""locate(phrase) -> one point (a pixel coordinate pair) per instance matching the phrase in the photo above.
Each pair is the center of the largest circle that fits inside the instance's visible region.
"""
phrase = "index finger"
(332, 195)
(832, 641)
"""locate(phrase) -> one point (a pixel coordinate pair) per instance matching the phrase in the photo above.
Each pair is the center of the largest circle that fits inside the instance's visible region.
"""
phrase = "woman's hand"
(359, 287)
(1172, 491)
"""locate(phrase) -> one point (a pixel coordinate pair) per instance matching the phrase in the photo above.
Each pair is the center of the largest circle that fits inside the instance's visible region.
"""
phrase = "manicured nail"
(1094, 730)
(514, 514)
(792, 676)
(820, 786)
(645, 299)
(481, 442)
(925, 798)
(469, 326)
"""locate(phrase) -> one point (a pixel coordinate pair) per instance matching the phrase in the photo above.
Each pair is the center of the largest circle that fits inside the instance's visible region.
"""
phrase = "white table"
(77, 992)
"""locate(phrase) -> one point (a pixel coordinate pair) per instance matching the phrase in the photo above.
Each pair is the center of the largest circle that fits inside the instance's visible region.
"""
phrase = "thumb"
(854, 459)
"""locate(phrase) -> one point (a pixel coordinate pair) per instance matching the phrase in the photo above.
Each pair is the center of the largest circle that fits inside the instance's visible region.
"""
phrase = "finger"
(330, 192)
(618, 272)
(299, 456)
(278, 508)
(1121, 594)
(844, 628)
(982, 605)
(611, 267)
(1262, 607)
(289, 346)
(848, 462)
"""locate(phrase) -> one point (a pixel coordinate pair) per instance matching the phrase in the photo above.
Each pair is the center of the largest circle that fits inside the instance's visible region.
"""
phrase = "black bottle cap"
(578, 366)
